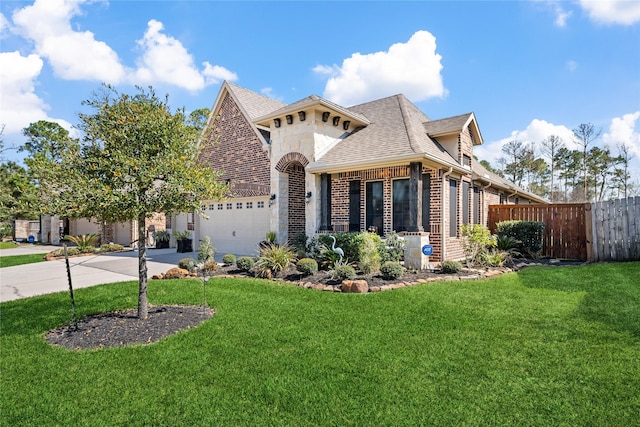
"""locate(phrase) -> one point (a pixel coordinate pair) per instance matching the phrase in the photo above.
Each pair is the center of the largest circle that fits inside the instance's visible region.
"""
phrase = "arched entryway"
(293, 165)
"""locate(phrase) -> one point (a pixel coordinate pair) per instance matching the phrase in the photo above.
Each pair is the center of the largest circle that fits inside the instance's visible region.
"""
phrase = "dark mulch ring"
(123, 328)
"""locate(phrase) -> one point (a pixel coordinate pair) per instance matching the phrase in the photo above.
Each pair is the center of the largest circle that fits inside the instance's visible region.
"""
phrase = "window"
(229, 205)
(400, 208)
(453, 208)
(476, 205)
(249, 205)
(191, 221)
(212, 207)
(203, 207)
(354, 205)
(239, 205)
(465, 202)
(374, 206)
(466, 160)
(426, 200)
(220, 206)
(260, 205)
(167, 222)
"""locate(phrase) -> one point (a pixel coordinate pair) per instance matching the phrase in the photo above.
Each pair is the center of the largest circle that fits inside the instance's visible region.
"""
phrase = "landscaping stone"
(177, 273)
(355, 286)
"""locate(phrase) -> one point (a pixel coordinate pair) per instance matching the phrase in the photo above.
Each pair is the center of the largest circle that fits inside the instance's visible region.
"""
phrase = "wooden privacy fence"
(603, 231)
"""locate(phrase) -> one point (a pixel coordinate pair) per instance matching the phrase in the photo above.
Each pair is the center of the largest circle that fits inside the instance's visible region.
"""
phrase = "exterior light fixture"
(307, 197)
(336, 120)
(302, 115)
(289, 118)
(276, 122)
(272, 199)
(325, 116)
(345, 124)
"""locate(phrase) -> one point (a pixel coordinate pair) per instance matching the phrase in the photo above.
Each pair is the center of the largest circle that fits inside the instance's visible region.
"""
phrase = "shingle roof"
(483, 174)
(254, 104)
(313, 100)
(395, 130)
(450, 124)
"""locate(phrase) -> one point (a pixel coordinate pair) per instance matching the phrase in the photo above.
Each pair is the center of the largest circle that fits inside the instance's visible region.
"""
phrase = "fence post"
(588, 225)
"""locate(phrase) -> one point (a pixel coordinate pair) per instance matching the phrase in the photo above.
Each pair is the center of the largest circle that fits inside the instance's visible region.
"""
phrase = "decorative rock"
(307, 285)
(374, 289)
(385, 288)
(157, 276)
(318, 286)
(422, 281)
(355, 286)
(328, 288)
(177, 273)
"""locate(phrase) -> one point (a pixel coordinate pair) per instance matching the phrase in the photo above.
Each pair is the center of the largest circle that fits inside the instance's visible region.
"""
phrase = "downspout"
(443, 243)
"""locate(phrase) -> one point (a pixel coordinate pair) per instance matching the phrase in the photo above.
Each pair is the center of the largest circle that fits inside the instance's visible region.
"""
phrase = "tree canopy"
(136, 157)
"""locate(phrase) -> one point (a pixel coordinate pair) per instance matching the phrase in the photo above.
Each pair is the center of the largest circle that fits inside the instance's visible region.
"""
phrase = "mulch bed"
(123, 328)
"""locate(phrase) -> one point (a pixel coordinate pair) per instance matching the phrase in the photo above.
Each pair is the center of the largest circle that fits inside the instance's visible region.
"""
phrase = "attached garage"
(236, 226)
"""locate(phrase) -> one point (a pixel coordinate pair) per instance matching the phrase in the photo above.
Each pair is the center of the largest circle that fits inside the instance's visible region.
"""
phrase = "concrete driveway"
(51, 276)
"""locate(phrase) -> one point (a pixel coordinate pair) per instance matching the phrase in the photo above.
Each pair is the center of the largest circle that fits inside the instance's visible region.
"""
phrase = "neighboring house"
(315, 167)
(53, 229)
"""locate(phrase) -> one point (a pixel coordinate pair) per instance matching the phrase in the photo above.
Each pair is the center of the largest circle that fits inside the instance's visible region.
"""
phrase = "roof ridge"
(408, 122)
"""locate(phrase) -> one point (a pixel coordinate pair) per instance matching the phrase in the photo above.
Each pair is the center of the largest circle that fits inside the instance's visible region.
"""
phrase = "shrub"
(274, 258)
(209, 266)
(476, 241)
(529, 233)
(300, 244)
(496, 258)
(111, 247)
(245, 263)
(345, 272)
(182, 235)
(188, 264)
(451, 266)
(391, 270)
(307, 266)
(6, 230)
(229, 259)
(163, 236)
(70, 252)
(206, 251)
(393, 249)
(369, 255)
(85, 242)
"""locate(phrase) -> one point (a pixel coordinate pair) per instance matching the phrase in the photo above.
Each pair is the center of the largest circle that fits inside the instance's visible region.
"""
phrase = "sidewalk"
(28, 280)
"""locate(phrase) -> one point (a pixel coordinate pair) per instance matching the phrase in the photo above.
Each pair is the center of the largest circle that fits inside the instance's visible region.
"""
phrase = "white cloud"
(74, 55)
(166, 60)
(561, 15)
(536, 132)
(4, 25)
(624, 12)
(412, 68)
(572, 65)
(19, 104)
(625, 129)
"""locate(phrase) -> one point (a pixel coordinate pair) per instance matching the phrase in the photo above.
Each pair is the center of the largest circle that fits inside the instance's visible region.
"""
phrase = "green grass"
(545, 346)
(10, 261)
(8, 245)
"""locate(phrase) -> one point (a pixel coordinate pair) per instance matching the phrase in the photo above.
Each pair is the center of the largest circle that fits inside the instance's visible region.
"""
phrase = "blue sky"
(527, 69)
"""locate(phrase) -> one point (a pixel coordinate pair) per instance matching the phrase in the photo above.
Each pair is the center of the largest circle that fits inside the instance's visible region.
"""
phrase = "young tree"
(622, 177)
(136, 157)
(584, 135)
(514, 161)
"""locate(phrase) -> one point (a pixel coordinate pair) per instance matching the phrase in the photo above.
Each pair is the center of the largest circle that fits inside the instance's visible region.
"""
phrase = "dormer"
(458, 135)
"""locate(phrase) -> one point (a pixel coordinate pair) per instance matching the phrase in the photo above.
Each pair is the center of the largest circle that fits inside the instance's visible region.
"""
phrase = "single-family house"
(314, 166)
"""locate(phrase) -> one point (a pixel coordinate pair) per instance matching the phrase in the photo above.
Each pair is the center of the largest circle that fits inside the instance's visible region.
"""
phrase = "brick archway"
(293, 165)
(289, 159)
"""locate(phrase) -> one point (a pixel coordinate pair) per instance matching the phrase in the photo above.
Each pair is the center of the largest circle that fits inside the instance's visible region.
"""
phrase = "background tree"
(585, 134)
(550, 147)
(515, 153)
(136, 157)
(600, 167)
(621, 175)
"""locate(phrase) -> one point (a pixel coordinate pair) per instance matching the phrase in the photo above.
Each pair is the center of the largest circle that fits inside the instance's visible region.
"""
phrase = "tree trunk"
(143, 304)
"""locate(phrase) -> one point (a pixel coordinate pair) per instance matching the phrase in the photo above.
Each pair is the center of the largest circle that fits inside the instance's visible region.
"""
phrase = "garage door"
(236, 226)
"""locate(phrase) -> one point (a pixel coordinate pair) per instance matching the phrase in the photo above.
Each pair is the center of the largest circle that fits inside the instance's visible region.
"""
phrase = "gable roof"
(395, 134)
(308, 102)
(254, 104)
(454, 125)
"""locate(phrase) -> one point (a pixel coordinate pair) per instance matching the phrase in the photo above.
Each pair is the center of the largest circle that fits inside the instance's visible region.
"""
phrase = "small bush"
(345, 272)
(529, 233)
(391, 270)
(188, 264)
(369, 255)
(208, 266)
(206, 251)
(451, 266)
(245, 263)
(70, 252)
(85, 242)
(274, 258)
(229, 259)
(111, 247)
(393, 249)
(307, 266)
(476, 241)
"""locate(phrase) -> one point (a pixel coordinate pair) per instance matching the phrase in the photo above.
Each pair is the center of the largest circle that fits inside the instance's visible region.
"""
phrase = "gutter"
(316, 167)
(443, 238)
(512, 194)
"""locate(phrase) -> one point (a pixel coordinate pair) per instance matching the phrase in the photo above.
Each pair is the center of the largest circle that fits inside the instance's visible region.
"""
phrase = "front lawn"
(8, 245)
(10, 261)
(544, 346)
